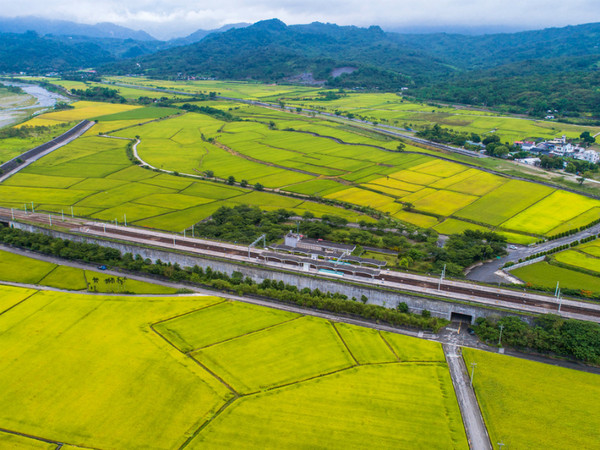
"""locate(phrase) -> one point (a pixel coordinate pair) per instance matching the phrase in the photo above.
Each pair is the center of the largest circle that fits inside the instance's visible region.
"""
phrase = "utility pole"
(442, 277)
(62, 213)
(556, 291)
(473, 365)
(559, 300)
(501, 445)
(32, 209)
(72, 215)
(192, 230)
(50, 219)
(500, 338)
(125, 219)
(12, 212)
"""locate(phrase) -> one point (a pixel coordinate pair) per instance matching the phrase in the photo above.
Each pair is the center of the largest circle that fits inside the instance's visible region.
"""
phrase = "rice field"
(291, 385)
(91, 373)
(130, 378)
(283, 152)
(560, 404)
(94, 177)
(29, 270)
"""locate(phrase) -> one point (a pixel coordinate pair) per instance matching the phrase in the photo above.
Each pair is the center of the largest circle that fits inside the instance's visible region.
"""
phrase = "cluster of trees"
(494, 146)
(442, 135)
(580, 166)
(215, 112)
(277, 290)
(243, 223)
(99, 93)
(470, 247)
(549, 334)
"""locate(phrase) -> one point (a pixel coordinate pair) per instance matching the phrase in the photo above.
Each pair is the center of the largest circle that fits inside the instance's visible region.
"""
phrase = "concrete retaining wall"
(384, 297)
(14, 163)
(524, 263)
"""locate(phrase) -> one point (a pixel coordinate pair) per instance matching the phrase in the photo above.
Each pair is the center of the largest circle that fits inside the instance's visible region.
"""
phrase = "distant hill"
(198, 35)
(491, 50)
(270, 51)
(31, 53)
(63, 27)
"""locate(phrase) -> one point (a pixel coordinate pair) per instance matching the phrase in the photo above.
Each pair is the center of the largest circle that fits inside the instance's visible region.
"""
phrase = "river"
(36, 100)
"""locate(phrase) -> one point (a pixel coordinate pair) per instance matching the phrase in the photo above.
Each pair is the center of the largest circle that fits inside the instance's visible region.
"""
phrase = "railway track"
(410, 282)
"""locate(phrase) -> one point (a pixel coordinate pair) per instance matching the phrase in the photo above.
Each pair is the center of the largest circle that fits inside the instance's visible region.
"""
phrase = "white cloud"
(166, 18)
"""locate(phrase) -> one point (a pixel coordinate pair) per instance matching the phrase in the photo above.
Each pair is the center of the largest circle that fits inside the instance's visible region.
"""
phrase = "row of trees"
(278, 290)
(548, 334)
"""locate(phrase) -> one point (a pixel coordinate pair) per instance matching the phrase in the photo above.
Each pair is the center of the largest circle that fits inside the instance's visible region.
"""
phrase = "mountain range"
(525, 71)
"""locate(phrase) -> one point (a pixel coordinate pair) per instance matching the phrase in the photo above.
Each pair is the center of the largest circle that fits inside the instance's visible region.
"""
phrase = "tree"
(402, 307)
(244, 183)
(499, 151)
(580, 180)
(364, 299)
(409, 206)
(401, 146)
(258, 187)
(587, 138)
(493, 139)
(209, 173)
(230, 179)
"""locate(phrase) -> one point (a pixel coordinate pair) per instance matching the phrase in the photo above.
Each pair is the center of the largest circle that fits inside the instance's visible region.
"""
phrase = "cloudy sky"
(170, 18)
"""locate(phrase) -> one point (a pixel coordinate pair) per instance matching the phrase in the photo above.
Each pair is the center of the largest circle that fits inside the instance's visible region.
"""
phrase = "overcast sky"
(170, 18)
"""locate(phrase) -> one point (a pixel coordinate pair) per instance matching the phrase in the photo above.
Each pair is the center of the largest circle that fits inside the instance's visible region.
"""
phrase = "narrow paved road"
(469, 408)
(486, 272)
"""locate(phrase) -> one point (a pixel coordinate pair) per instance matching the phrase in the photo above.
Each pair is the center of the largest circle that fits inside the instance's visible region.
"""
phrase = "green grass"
(546, 275)
(220, 322)
(129, 285)
(251, 363)
(579, 259)
(530, 405)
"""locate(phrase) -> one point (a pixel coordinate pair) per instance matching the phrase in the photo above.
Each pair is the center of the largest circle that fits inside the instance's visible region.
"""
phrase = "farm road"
(469, 408)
